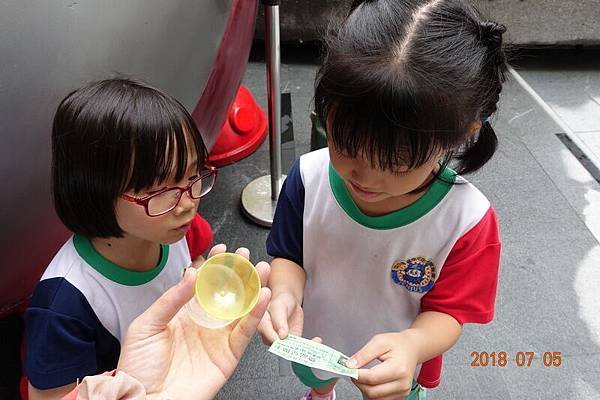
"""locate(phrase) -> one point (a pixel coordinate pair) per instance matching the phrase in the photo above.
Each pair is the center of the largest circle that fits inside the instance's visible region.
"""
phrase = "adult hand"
(393, 377)
(175, 358)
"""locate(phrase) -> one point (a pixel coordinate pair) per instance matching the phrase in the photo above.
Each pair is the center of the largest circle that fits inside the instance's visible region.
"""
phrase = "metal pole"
(273, 58)
(259, 197)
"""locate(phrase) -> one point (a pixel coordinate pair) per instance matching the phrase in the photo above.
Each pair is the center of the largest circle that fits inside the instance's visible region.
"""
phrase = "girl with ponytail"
(381, 248)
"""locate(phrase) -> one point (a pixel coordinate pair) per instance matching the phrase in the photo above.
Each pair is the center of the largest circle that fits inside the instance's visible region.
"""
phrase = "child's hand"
(283, 316)
(393, 378)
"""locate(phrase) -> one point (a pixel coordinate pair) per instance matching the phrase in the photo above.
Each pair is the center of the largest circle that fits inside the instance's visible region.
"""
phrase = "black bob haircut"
(112, 136)
(402, 80)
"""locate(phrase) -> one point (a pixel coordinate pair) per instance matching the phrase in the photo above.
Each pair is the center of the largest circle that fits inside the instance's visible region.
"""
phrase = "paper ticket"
(312, 354)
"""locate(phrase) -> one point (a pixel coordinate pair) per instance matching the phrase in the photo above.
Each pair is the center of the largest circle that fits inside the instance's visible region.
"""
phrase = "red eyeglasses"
(167, 199)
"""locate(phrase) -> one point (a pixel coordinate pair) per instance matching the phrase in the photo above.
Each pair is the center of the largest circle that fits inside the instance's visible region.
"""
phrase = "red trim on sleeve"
(466, 286)
(199, 237)
(430, 374)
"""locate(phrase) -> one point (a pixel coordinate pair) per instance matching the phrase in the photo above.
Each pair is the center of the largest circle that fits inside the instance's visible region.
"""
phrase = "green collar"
(112, 271)
(396, 219)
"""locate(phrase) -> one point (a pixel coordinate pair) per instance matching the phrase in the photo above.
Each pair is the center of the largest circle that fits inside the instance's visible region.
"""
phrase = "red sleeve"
(466, 286)
(199, 237)
(430, 375)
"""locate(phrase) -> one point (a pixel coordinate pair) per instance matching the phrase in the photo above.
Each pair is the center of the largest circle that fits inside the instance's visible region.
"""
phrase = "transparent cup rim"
(253, 276)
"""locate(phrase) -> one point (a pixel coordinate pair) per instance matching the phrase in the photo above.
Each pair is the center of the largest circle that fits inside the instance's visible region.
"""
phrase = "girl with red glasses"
(128, 169)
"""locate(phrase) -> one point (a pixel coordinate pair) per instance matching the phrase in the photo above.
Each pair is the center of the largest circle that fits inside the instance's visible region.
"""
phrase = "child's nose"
(186, 202)
(362, 174)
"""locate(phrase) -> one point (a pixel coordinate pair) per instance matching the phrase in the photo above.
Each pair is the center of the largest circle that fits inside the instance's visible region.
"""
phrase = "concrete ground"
(548, 205)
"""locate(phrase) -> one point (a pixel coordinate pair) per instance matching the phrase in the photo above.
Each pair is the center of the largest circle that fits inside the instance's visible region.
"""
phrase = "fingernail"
(187, 271)
(282, 334)
(352, 363)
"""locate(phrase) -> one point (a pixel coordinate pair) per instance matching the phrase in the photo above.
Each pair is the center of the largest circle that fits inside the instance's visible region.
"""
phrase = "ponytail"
(478, 150)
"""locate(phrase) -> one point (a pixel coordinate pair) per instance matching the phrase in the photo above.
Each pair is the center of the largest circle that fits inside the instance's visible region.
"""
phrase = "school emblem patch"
(416, 274)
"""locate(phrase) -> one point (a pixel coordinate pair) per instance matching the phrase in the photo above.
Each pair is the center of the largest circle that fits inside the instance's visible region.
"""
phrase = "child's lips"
(363, 193)
(184, 227)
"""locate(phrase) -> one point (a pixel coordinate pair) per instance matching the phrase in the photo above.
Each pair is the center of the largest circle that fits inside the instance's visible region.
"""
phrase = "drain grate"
(580, 155)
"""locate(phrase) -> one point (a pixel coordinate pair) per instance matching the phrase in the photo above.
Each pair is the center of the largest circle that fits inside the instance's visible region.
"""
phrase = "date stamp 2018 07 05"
(519, 359)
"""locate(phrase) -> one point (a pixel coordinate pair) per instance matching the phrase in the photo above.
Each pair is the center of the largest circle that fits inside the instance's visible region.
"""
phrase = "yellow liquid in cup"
(227, 287)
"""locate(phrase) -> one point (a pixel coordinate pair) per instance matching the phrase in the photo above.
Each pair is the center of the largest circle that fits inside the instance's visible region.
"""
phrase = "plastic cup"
(227, 288)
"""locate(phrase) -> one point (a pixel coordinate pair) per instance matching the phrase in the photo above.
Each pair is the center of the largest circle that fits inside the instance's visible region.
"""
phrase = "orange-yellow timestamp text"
(519, 359)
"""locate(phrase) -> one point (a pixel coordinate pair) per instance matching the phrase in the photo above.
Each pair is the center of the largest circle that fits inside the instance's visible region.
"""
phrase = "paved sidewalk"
(569, 82)
(549, 293)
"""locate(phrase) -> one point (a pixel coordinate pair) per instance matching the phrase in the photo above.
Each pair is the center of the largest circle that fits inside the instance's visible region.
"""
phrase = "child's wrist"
(418, 343)
(283, 291)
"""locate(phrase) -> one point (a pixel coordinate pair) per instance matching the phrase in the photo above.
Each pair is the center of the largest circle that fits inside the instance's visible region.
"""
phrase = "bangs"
(160, 144)
(385, 119)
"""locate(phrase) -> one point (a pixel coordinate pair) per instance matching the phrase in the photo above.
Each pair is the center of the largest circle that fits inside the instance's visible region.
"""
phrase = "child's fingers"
(244, 252)
(219, 248)
(317, 339)
(379, 374)
(264, 270)
(371, 351)
(388, 390)
(279, 317)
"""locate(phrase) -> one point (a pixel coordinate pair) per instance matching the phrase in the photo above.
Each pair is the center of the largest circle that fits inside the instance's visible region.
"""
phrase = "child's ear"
(474, 128)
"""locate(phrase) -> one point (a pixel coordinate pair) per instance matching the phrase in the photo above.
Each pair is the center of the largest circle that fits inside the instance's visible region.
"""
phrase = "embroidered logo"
(416, 274)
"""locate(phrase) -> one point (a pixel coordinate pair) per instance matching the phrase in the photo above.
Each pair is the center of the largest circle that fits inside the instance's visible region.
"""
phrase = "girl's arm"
(50, 394)
(284, 314)
(432, 334)
(287, 277)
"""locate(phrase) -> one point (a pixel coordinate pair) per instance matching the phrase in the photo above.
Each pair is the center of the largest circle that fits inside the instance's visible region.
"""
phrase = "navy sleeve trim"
(65, 341)
(60, 349)
(285, 238)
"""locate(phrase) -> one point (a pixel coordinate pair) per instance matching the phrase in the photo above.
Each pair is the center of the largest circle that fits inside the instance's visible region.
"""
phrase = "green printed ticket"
(313, 355)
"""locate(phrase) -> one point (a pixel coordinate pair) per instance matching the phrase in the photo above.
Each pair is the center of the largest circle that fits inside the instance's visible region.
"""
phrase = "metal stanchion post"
(259, 197)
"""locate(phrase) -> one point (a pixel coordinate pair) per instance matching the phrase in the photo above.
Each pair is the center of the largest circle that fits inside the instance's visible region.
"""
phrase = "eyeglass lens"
(168, 200)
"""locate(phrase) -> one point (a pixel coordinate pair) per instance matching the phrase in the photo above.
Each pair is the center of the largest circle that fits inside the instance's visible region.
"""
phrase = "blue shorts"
(308, 378)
